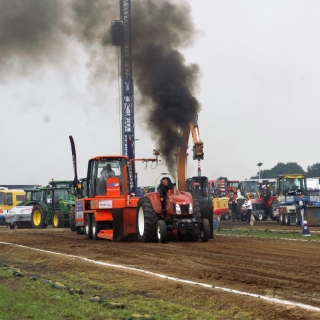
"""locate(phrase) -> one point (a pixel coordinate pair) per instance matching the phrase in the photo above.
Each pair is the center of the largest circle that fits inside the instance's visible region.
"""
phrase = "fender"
(154, 198)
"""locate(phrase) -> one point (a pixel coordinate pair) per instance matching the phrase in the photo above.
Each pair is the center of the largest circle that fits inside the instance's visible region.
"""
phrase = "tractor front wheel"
(259, 216)
(38, 217)
(287, 220)
(162, 231)
(191, 234)
(57, 219)
(147, 220)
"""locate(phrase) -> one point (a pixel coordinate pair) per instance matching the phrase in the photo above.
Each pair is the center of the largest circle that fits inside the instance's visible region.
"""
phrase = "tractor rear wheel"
(205, 230)
(88, 227)
(72, 219)
(162, 231)
(38, 217)
(147, 220)
(96, 227)
(58, 219)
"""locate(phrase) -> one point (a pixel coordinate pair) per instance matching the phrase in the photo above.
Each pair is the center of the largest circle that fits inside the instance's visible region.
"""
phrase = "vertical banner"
(74, 161)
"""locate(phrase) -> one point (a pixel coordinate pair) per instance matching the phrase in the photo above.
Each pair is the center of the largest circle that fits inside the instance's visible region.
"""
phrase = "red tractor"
(106, 209)
(183, 215)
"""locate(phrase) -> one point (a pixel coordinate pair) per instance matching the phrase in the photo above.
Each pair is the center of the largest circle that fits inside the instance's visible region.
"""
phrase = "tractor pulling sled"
(105, 209)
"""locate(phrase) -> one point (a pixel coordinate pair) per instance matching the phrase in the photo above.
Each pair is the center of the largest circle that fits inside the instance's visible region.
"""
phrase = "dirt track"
(276, 268)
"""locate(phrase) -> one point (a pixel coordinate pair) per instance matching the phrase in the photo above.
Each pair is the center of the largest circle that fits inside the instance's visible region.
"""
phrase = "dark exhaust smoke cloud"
(159, 29)
(37, 33)
(31, 34)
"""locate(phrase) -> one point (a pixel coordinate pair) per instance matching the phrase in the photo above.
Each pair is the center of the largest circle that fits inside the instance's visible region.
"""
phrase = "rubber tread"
(150, 220)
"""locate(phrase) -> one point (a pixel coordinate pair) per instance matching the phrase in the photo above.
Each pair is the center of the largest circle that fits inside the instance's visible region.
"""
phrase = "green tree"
(313, 171)
(280, 168)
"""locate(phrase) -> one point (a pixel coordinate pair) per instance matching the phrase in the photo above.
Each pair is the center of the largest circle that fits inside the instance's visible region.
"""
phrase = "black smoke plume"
(159, 29)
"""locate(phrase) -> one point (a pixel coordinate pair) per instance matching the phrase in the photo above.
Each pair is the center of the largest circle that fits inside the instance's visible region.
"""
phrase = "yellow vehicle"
(9, 198)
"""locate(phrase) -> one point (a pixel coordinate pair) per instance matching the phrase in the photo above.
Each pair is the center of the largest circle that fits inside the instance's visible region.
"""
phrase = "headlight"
(289, 198)
(190, 208)
(178, 209)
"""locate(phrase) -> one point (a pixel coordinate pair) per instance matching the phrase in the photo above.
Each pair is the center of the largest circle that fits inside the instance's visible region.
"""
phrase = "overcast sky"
(258, 89)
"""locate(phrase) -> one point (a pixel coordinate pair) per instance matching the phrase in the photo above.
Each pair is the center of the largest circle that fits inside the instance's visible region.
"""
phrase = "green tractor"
(51, 204)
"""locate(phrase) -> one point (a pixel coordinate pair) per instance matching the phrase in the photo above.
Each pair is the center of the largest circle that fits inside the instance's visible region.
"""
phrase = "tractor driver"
(106, 173)
(165, 185)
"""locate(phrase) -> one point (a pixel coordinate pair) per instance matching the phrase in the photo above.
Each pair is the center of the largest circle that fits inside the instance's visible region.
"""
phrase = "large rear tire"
(162, 231)
(147, 221)
(72, 219)
(57, 219)
(38, 217)
(88, 227)
(205, 230)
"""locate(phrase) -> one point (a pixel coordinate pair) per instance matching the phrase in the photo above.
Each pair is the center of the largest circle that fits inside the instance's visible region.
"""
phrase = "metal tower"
(121, 36)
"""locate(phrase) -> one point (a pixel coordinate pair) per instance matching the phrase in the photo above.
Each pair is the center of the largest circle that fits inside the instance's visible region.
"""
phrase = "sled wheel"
(88, 227)
(96, 227)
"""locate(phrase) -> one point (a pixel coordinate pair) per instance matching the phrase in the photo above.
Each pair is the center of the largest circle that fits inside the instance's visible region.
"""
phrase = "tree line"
(287, 168)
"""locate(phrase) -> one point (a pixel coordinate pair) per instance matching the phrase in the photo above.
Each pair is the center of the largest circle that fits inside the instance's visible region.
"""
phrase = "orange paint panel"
(113, 187)
(94, 204)
(129, 221)
(118, 203)
(103, 215)
(105, 234)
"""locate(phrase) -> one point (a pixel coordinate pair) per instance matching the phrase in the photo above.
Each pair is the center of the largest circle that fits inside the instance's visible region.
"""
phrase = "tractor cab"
(249, 186)
(291, 186)
(198, 187)
(105, 176)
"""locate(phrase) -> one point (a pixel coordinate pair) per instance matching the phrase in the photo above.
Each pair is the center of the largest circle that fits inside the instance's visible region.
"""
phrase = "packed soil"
(276, 268)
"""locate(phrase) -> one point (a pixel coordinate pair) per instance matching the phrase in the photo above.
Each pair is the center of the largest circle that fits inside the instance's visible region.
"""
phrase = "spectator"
(248, 205)
(233, 205)
(303, 208)
(266, 198)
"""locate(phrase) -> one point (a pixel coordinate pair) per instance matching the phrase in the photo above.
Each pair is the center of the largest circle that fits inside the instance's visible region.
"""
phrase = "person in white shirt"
(248, 205)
